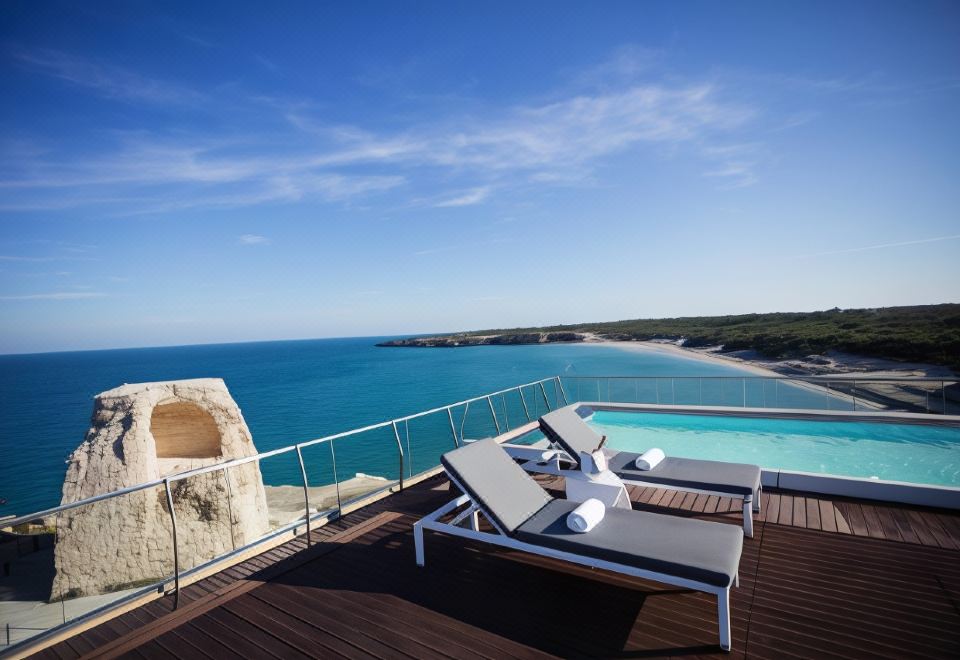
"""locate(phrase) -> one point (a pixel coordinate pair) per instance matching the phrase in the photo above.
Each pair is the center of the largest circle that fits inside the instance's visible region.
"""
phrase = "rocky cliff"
(143, 432)
(453, 341)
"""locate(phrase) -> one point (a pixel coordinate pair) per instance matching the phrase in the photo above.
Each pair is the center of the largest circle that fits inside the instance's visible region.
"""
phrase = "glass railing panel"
(30, 601)
(283, 490)
(621, 390)
(514, 411)
(105, 552)
(365, 463)
(476, 420)
(430, 437)
(686, 391)
(217, 512)
(322, 489)
(552, 395)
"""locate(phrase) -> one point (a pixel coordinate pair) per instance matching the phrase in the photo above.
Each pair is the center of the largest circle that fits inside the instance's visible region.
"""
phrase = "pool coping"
(946, 497)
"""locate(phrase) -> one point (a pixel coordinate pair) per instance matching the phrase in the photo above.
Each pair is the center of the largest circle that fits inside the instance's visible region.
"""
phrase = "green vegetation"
(923, 333)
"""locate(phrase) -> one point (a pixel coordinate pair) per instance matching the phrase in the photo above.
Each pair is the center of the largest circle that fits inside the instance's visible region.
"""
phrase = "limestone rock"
(139, 433)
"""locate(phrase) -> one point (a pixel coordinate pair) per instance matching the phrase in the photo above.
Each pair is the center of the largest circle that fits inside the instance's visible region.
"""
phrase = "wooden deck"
(823, 577)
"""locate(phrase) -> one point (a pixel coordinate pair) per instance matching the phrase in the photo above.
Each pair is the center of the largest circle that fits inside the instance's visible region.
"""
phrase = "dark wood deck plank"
(813, 514)
(799, 511)
(362, 596)
(828, 518)
(772, 509)
(872, 519)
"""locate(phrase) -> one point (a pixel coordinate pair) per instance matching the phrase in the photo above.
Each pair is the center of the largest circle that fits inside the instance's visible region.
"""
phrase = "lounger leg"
(748, 517)
(736, 580)
(475, 521)
(418, 542)
(756, 501)
(723, 618)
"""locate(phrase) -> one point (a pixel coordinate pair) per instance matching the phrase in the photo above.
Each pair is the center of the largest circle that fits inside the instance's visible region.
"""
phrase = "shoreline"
(688, 353)
(833, 363)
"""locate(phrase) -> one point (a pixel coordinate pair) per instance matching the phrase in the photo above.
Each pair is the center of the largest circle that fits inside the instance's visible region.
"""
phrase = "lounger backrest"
(505, 493)
(567, 429)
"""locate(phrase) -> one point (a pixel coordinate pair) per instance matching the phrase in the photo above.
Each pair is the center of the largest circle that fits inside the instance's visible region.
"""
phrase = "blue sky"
(209, 172)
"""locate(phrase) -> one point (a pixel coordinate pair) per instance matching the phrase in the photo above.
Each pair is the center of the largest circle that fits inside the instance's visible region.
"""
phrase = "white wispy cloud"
(559, 142)
(735, 165)
(253, 239)
(106, 79)
(881, 246)
(468, 198)
(57, 295)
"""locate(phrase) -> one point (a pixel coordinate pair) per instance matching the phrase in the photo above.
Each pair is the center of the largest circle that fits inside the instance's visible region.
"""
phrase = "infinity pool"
(916, 453)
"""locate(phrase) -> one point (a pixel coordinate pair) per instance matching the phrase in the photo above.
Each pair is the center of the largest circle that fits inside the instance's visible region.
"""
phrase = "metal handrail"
(822, 383)
(186, 474)
(851, 376)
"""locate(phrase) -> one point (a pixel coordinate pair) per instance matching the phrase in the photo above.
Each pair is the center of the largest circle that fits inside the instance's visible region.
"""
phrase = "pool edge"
(943, 497)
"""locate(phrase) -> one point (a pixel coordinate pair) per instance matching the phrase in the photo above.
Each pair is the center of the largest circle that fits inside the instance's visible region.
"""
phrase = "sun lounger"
(687, 553)
(566, 429)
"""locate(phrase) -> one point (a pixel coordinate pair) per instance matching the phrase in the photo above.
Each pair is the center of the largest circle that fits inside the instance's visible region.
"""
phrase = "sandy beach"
(830, 364)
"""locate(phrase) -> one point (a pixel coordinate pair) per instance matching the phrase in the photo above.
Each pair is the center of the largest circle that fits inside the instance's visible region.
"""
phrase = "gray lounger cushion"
(737, 479)
(507, 493)
(567, 429)
(697, 550)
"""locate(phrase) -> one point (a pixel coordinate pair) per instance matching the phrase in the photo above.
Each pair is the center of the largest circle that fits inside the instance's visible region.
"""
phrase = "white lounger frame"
(470, 515)
(553, 467)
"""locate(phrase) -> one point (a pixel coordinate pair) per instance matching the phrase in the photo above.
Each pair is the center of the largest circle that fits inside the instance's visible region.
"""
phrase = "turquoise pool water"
(913, 453)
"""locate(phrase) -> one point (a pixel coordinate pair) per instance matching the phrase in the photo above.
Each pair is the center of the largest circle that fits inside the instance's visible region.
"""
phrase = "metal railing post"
(306, 493)
(546, 401)
(453, 429)
(336, 479)
(700, 383)
(744, 380)
(673, 391)
(226, 480)
(523, 400)
(406, 431)
(853, 393)
(463, 420)
(506, 414)
(396, 434)
(176, 548)
(563, 393)
(943, 393)
(493, 413)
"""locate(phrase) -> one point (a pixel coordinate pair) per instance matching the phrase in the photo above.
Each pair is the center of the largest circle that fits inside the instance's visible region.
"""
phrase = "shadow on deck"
(834, 578)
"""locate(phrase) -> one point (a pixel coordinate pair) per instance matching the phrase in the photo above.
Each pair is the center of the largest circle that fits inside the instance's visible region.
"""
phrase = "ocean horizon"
(289, 391)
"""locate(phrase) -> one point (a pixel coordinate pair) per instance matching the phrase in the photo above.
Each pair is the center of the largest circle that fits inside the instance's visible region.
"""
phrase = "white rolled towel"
(650, 459)
(586, 516)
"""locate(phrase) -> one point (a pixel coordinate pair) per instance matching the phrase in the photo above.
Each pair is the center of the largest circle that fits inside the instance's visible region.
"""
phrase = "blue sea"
(289, 392)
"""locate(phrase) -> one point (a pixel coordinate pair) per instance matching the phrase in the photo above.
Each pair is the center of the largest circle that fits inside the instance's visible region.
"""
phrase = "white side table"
(604, 486)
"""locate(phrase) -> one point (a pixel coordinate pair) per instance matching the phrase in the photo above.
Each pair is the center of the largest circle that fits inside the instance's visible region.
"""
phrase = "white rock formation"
(139, 433)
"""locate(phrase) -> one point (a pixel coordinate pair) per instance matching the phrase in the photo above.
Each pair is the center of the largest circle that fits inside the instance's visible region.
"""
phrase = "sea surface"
(289, 392)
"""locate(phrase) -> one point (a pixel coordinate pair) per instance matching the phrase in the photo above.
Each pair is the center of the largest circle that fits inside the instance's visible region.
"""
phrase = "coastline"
(688, 353)
(833, 363)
